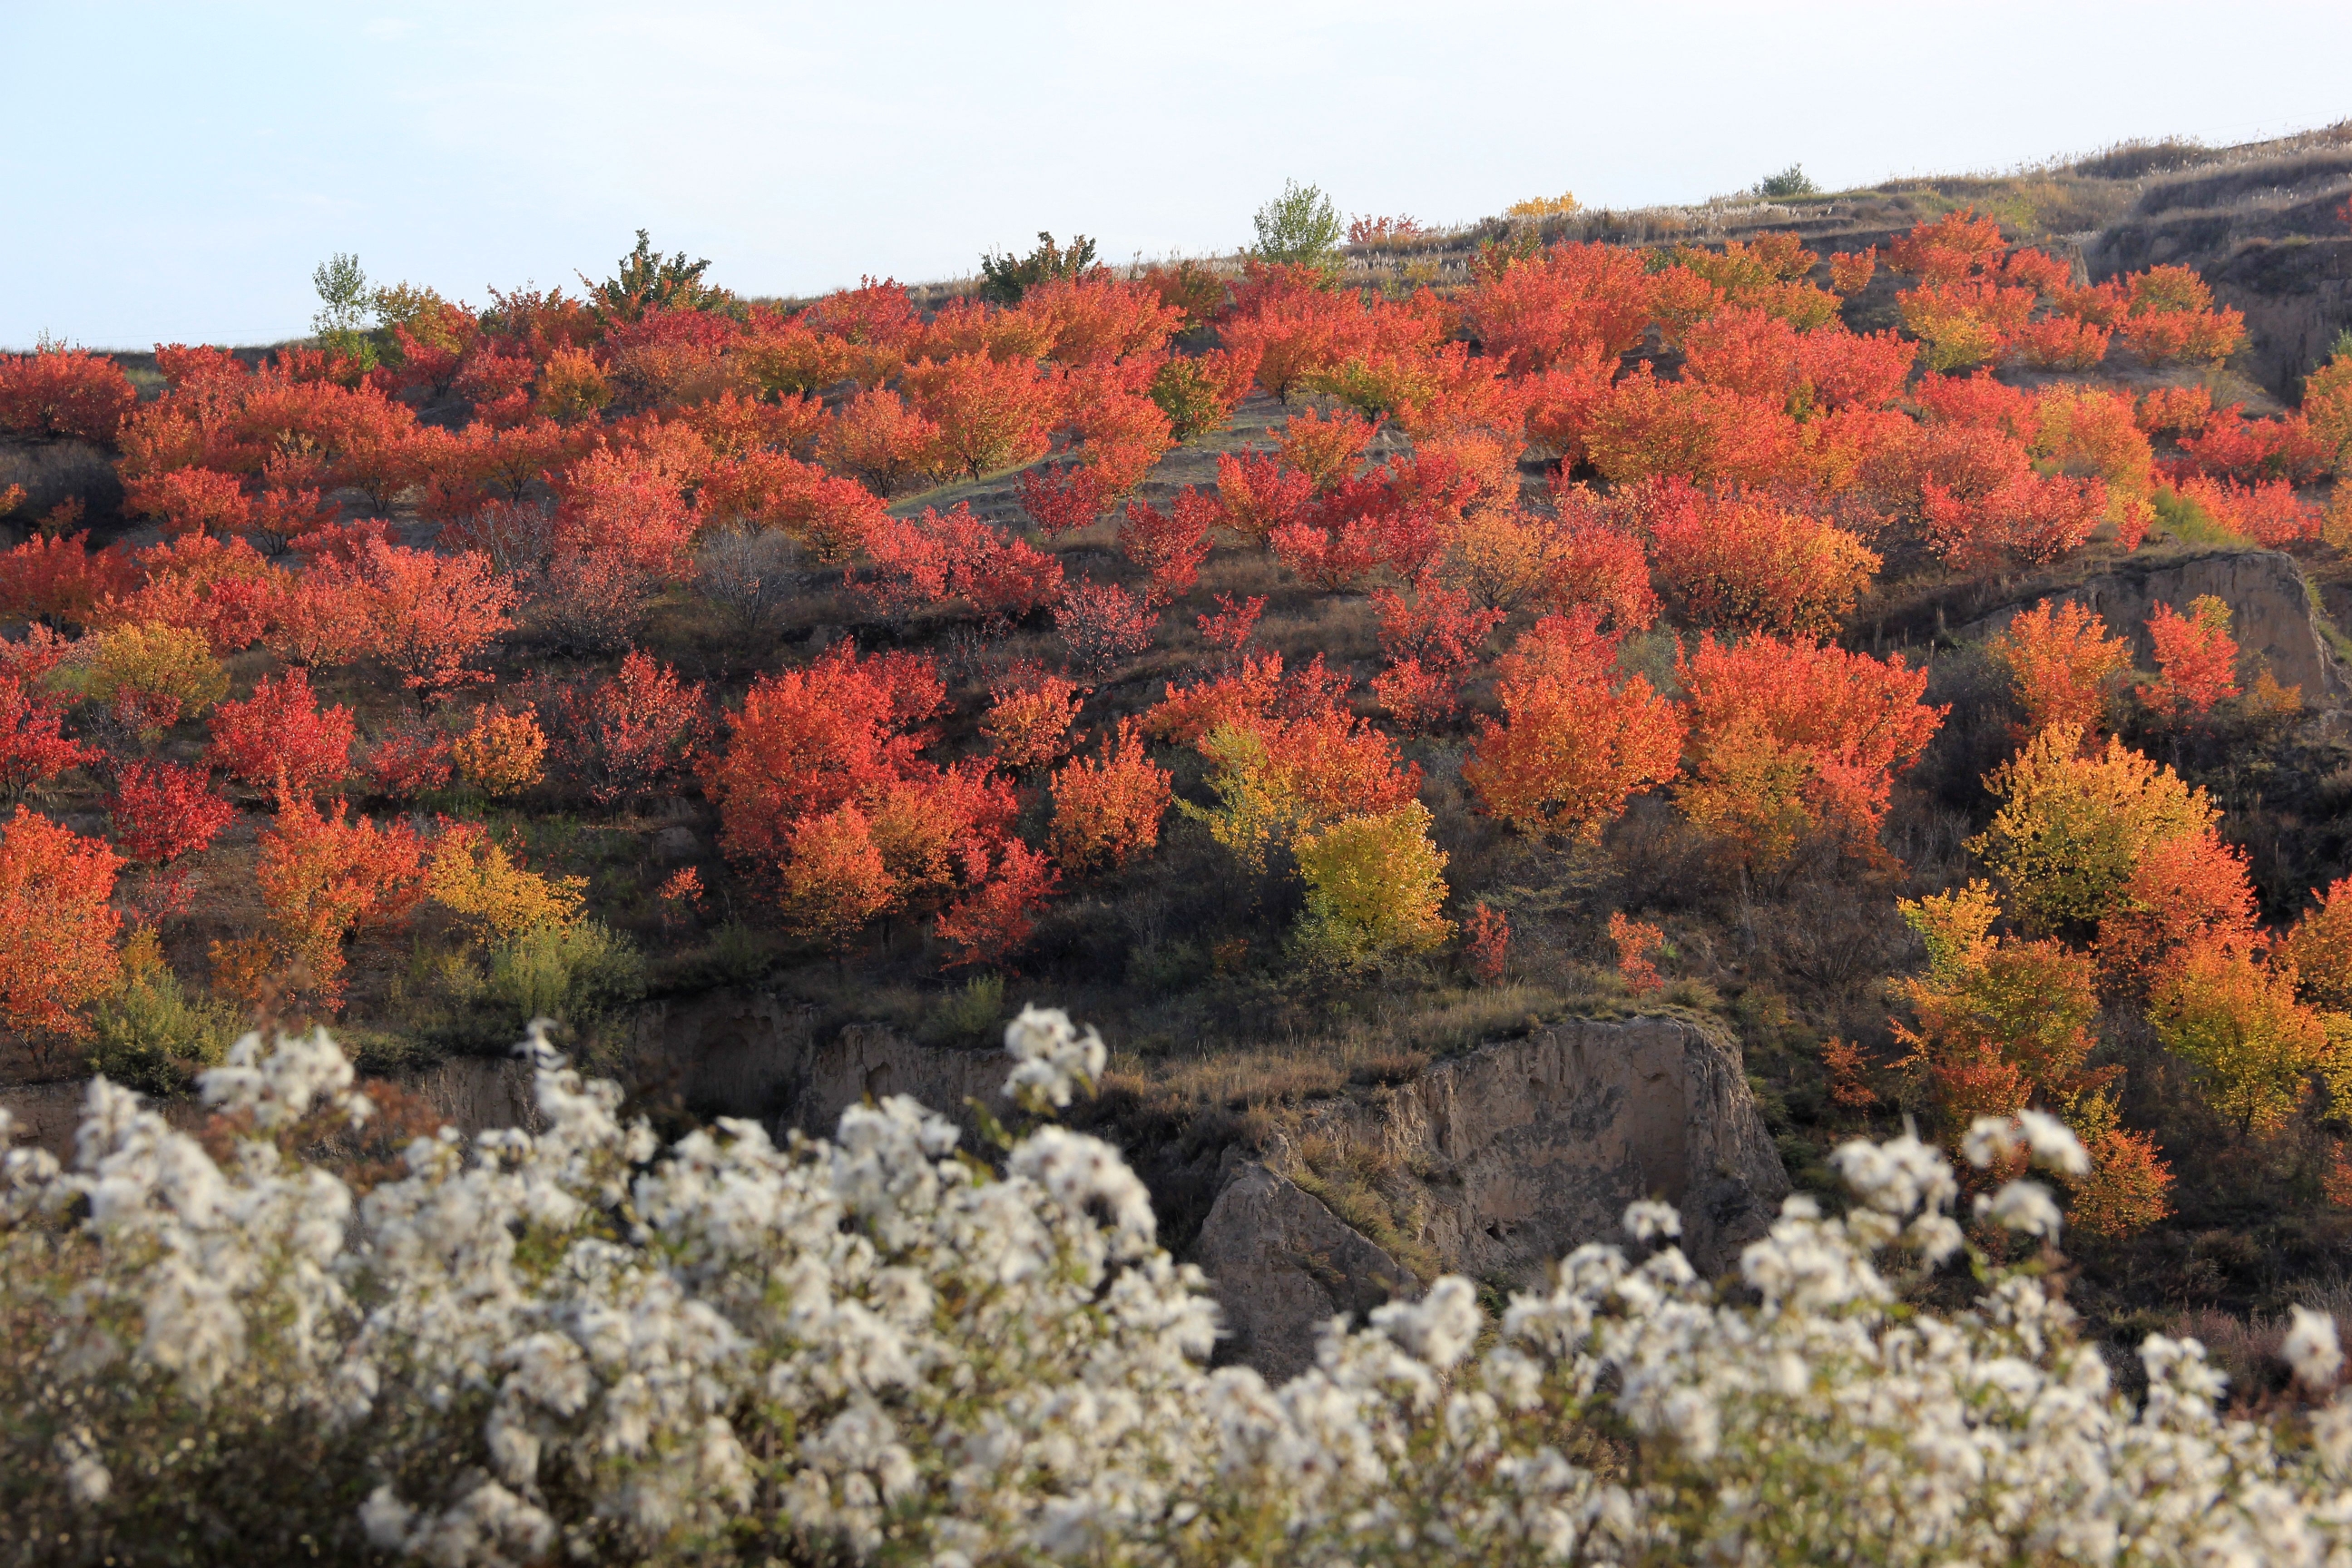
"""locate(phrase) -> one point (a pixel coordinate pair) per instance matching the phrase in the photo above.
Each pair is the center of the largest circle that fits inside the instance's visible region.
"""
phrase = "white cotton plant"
(574, 1345)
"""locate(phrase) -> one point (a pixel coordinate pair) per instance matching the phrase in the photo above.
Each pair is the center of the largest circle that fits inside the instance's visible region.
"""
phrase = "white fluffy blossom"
(1054, 1057)
(569, 1343)
(2310, 1349)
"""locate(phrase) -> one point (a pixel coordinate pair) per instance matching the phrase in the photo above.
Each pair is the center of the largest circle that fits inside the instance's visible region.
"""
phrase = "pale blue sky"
(174, 171)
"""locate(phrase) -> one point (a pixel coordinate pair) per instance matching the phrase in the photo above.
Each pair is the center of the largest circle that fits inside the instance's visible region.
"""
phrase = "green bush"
(1006, 279)
(1300, 225)
(152, 1037)
(573, 973)
(1792, 181)
(969, 1013)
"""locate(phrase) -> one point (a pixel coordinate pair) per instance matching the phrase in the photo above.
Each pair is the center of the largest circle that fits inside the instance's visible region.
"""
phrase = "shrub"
(1102, 623)
(503, 755)
(149, 1034)
(574, 973)
(1636, 941)
(1004, 279)
(1044, 1291)
(750, 572)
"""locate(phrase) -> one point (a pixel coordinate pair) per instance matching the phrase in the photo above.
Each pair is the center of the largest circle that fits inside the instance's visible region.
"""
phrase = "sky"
(175, 171)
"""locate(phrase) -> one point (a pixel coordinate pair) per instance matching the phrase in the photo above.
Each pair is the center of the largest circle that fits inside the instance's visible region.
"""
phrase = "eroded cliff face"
(1492, 1165)
(2271, 612)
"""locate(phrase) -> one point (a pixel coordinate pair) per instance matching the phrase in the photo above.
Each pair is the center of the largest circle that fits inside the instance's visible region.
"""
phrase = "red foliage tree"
(628, 506)
(1571, 299)
(162, 810)
(812, 740)
(280, 738)
(1061, 497)
(1431, 642)
(2060, 662)
(627, 737)
(928, 560)
(2196, 655)
(1170, 545)
(1229, 631)
(33, 748)
(60, 579)
(60, 392)
(1486, 944)
(406, 761)
(998, 914)
(326, 877)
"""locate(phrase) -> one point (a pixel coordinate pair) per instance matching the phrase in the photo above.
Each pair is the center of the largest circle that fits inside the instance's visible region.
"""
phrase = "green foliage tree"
(647, 280)
(1792, 181)
(345, 303)
(1005, 278)
(1300, 225)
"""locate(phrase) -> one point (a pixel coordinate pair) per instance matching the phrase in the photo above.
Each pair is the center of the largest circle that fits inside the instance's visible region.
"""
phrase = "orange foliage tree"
(1746, 563)
(1573, 744)
(324, 877)
(1029, 716)
(1107, 808)
(1791, 737)
(2060, 662)
(2196, 657)
(58, 930)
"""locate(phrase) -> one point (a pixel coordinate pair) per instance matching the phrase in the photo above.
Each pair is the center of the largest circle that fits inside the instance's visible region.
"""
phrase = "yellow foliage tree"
(2255, 1047)
(476, 880)
(154, 674)
(2071, 829)
(503, 755)
(1374, 887)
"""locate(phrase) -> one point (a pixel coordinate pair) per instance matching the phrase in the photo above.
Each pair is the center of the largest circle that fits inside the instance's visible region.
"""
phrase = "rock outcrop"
(1492, 1164)
(2271, 611)
(1496, 1165)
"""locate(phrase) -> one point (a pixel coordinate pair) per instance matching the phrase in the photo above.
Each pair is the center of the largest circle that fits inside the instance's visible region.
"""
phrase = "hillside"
(1334, 673)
